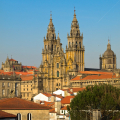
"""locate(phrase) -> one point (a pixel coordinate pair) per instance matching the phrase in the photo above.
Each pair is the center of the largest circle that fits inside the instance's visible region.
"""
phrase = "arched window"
(18, 116)
(76, 44)
(80, 44)
(72, 44)
(52, 47)
(57, 73)
(45, 46)
(29, 117)
(57, 84)
(57, 65)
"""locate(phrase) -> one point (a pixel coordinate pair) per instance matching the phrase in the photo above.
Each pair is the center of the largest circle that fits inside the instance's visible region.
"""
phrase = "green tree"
(104, 97)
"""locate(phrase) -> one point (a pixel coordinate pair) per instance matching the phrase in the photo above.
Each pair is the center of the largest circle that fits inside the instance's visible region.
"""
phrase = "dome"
(108, 52)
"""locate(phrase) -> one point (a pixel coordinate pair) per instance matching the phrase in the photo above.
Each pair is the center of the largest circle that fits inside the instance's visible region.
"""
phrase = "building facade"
(108, 59)
(11, 65)
(10, 86)
(58, 66)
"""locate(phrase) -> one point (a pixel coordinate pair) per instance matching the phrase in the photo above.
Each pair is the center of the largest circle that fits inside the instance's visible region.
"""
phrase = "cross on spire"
(74, 10)
(108, 41)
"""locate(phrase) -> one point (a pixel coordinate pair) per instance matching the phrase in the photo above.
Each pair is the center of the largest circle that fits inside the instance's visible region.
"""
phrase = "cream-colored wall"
(26, 89)
(36, 114)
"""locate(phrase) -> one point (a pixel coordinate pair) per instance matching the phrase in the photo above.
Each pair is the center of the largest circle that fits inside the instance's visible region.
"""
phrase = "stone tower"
(75, 45)
(108, 59)
(57, 67)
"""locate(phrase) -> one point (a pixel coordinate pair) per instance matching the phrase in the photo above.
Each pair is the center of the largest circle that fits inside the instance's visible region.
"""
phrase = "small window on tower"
(57, 73)
(57, 65)
(76, 44)
(80, 44)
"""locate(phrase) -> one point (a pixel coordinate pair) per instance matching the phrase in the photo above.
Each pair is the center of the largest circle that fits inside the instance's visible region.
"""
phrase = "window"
(8, 84)
(80, 44)
(27, 89)
(3, 84)
(57, 65)
(72, 44)
(48, 47)
(57, 84)
(56, 88)
(3, 92)
(16, 85)
(16, 92)
(57, 48)
(69, 44)
(27, 94)
(76, 44)
(57, 73)
(29, 116)
(31, 88)
(18, 116)
(8, 91)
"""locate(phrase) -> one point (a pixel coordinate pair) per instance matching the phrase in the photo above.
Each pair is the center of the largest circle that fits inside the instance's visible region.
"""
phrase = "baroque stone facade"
(11, 65)
(108, 59)
(58, 67)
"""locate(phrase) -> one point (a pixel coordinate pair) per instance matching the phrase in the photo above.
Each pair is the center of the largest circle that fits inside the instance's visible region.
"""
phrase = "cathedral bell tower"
(49, 42)
(75, 46)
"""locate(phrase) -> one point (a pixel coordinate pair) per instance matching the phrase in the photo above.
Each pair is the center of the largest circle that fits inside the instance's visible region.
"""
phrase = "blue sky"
(23, 24)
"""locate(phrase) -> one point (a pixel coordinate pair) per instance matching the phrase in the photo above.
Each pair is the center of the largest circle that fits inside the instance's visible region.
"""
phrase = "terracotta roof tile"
(26, 78)
(12, 60)
(20, 104)
(77, 89)
(64, 108)
(33, 67)
(67, 99)
(52, 110)
(50, 104)
(6, 115)
(47, 94)
(95, 72)
(93, 77)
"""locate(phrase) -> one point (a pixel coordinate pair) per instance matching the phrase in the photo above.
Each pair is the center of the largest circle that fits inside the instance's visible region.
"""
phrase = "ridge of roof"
(92, 77)
(20, 104)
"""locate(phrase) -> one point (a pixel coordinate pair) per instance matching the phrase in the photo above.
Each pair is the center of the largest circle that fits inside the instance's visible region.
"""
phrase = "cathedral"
(58, 67)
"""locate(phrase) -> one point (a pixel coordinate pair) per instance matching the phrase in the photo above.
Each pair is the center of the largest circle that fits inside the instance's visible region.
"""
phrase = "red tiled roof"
(59, 96)
(33, 67)
(64, 108)
(95, 72)
(52, 110)
(20, 104)
(25, 77)
(50, 104)
(92, 77)
(66, 100)
(47, 94)
(6, 115)
(77, 89)
(12, 59)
